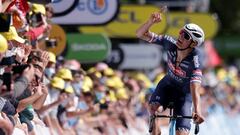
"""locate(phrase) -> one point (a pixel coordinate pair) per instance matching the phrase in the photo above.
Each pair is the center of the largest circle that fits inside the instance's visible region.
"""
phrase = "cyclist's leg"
(153, 109)
(157, 102)
(182, 132)
(184, 107)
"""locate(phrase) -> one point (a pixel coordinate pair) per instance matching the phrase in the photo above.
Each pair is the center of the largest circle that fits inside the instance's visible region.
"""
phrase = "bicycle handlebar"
(196, 130)
(174, 116)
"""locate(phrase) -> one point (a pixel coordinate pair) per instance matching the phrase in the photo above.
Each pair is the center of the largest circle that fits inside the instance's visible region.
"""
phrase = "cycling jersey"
(175, 86)
(189, 70)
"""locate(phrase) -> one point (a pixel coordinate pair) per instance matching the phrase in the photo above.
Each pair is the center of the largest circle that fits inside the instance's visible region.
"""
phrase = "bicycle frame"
(172, 126)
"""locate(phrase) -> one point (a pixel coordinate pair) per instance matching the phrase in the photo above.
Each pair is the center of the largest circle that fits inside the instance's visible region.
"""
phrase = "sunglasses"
(185, 35)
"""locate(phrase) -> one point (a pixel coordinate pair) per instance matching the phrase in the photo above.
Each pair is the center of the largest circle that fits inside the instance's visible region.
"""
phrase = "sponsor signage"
(135, 56)
(129, 19)
(207, 22)
(88, 48)
(132, 16)
(84, 12)
(228, 46)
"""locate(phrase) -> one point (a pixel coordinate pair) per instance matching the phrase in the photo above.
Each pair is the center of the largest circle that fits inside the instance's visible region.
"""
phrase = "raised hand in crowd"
(38, 90)
(23, 51)
(19, 125)
(45, 58)
(20, 54)
(6, 125)
(44, 88)
(29, 73)
(45, 24)
(4, 5)
(36, 94)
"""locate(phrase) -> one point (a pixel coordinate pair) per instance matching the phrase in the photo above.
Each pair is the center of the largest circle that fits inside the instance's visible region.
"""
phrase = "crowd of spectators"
(44, 94)
(41, 94)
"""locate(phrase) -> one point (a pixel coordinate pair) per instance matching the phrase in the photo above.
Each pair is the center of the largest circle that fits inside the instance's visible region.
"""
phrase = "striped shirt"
(2, 103)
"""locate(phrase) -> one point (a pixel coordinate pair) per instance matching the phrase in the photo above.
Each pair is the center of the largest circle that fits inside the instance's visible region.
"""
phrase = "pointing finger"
(163, 9)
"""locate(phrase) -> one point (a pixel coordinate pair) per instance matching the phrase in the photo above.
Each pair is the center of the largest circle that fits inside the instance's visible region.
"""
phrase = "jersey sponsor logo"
(156, 37)
(172, 75)
(196, 61)
(157, 97)
(178, 70)
(170, 39)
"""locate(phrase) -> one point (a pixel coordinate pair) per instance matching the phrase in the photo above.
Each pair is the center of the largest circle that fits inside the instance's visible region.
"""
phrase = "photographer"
(22, 86)
(6, 126)
(35, 94)
(14, 80)
(38, 24)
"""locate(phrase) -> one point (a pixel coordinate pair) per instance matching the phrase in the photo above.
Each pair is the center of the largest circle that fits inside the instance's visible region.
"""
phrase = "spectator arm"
(20, 85)
(27, 101)
(39, 102)
(49, 106)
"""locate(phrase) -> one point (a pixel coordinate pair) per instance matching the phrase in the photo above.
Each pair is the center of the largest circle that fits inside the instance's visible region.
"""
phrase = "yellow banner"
(128, 21)
(207, 22)
(133, 16)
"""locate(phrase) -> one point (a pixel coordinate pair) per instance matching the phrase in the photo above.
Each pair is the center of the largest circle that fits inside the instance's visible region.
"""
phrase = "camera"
(7, 80)
(5, 22)
(35, 19)
(7, 61)
(51, 43)
(8, 76)
(19, 68)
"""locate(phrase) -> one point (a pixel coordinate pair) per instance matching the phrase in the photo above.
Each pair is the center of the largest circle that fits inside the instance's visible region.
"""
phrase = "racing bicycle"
(172, 120)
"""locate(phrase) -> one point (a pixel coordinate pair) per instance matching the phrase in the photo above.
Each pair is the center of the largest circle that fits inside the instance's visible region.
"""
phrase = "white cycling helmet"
(195, 32)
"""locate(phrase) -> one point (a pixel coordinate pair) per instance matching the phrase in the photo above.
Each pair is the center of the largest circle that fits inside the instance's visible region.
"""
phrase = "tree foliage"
(229, 15)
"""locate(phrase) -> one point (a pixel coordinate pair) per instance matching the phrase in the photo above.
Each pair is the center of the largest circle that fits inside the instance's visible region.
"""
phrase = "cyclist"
(183, 78)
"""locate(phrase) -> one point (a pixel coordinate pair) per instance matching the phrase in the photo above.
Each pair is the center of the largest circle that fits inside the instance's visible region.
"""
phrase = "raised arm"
(40, 101)
(143, 31)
